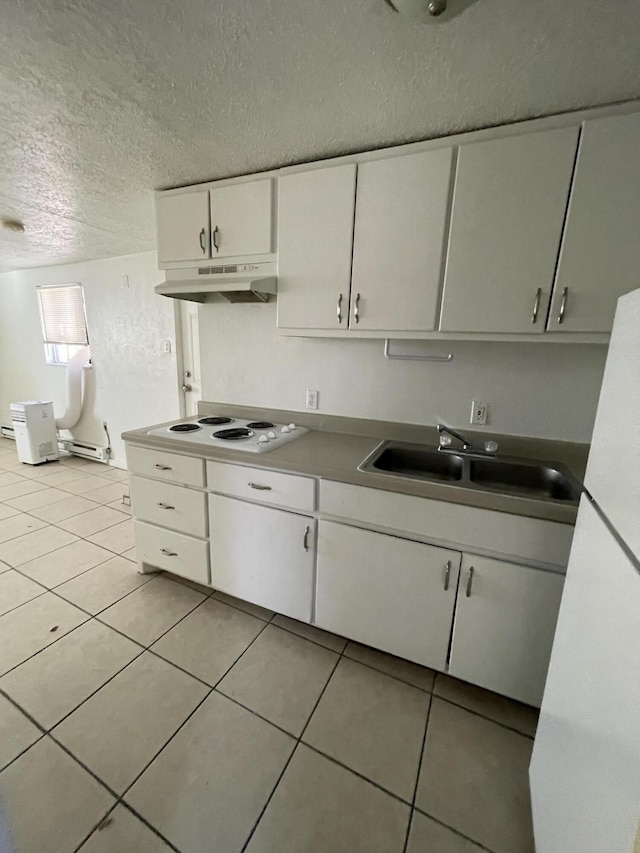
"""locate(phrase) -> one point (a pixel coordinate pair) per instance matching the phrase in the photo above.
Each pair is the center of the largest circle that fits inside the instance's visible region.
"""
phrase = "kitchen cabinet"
(315, 239)
(504, 626)
(387, 592)
(401, 215)
(182, 222)
(509, 204)
(242, 219)
(159, 548)
(600, 254)
(263, 555)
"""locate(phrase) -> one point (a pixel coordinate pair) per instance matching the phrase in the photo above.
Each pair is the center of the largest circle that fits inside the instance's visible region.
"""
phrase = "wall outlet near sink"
(312, 399)
(479, 413)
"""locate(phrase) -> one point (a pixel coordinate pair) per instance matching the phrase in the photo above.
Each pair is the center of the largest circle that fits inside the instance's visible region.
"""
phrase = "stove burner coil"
(184, 428)
(235, 434)
(217, 421)
(260, 425)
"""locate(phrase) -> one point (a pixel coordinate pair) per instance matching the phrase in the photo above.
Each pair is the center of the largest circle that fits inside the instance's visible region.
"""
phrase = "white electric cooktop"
(234, 433)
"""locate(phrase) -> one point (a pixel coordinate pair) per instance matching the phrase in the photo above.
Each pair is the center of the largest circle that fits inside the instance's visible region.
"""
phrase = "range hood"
(228, 283)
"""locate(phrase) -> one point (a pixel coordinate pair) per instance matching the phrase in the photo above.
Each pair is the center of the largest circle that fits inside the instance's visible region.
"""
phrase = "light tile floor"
(144, 713)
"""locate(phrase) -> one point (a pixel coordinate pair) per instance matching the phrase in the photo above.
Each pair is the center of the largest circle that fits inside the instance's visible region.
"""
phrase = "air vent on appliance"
(217, 270)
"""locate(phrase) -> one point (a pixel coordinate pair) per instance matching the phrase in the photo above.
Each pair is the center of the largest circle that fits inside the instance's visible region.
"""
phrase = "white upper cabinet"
(242, 219)
(509, 204)
(401, 215)
(183, 227)
(315, 238)
(600, 255)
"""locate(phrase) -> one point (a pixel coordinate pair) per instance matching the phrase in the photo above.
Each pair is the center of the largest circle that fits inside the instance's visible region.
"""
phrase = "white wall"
(543, 390)
(132, 382)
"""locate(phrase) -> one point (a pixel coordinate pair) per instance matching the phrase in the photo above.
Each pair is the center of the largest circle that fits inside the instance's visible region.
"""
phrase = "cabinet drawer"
(165, 466)
(268, 487)
(173, 552)
(169, 506)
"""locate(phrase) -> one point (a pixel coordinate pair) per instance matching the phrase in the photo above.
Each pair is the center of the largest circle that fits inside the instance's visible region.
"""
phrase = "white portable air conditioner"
(34, 427)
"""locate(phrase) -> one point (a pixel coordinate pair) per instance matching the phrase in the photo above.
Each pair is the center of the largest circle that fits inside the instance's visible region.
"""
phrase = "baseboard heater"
(68, 445)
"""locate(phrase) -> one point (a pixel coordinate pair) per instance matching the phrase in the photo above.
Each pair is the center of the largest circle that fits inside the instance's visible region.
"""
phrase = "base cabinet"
(386, 592)
(263, 555)
(504, 626)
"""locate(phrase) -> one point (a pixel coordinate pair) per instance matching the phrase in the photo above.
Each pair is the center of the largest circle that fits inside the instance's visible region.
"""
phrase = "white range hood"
(228, 283)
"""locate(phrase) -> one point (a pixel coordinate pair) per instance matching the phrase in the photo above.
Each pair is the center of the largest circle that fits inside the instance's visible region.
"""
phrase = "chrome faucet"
(466, 444)
(489, 448)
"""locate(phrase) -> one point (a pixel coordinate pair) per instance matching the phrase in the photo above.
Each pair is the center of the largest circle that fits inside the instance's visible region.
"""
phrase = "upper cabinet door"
(183, 227)
(241, 219)
(600, 255)
(401, 215)
(509, 204)
(315, 239)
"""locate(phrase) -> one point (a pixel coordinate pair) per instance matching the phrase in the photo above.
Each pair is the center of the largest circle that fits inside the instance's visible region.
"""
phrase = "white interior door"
(585, 770)
(190, 380)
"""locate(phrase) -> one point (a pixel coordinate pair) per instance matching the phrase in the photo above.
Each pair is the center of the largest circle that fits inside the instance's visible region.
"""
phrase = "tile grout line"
(419, 771)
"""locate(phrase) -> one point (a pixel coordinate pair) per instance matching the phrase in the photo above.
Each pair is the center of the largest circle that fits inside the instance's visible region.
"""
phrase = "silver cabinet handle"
(339, 310)
(536, 305)
(214, 237)
(470, 581)
(162, 467)
(356, 309)
(168, 553)
(259, 487)
(563, 304)
(202, 245)
(447, 575)
(164, 506)
(305, 541)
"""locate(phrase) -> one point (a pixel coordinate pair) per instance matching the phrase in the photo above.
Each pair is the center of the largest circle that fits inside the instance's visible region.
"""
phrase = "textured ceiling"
(102, 101)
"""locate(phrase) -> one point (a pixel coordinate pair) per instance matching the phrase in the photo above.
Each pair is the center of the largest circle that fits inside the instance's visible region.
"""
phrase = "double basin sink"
(506, 475)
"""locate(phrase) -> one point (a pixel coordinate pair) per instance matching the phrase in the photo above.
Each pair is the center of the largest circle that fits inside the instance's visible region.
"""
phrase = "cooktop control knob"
(285, 429)
(271, 434)
(263, 439)
(292, 426)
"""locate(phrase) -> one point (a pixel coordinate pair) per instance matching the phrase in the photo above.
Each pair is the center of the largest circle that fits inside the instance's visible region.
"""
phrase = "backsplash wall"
(541, 390)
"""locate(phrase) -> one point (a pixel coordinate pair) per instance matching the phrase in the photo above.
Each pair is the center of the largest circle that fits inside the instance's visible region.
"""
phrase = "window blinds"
(62, 314)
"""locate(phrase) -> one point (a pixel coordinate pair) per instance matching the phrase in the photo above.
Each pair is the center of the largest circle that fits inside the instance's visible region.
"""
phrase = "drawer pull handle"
(536, 305)
(164, 506)
(259, 487)
(563, 304)
(162, 467)
(447, 575)
(470, 581)
(305, 541)
(168, 553)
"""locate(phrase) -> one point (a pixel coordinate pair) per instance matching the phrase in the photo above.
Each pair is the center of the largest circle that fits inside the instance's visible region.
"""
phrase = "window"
(64, 326)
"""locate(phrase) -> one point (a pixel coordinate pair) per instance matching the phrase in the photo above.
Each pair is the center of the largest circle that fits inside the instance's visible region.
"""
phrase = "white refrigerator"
(585, 769)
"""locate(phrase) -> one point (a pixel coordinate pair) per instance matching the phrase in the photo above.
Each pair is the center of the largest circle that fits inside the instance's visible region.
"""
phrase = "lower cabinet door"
(263, 555)
(505, 622)
(386, 592)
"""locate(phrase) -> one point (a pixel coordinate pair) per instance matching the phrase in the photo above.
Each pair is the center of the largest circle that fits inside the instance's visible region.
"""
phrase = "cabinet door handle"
(168, 553)
(259, 487)
(339, 309)
(470, 581)
(447, 575)
(563, 304)
(536, 305)
(202, 245)
(162, 467)
(356, 309)
(214, 237)
(164, 506)
(305, 541)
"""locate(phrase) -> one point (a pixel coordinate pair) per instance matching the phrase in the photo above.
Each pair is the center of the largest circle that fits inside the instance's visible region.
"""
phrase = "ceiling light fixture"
(13, 225)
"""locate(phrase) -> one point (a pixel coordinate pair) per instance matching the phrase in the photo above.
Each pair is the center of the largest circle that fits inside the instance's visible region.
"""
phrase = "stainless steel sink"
(417, 462)
(525, 478)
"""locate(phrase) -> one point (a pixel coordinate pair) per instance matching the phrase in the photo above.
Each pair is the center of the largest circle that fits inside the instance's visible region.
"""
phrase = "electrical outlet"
(166, 346)
(479, 411)
(312, 399)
